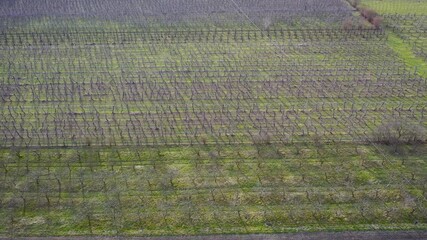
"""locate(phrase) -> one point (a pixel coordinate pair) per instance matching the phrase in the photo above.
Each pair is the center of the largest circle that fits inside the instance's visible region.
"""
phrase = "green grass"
(234, 59)
(202, 190)
(397, 6)
(405, 52)
(405, 49)
(192, 187)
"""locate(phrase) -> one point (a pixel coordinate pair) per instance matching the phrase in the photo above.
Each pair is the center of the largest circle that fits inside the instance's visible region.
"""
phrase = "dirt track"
(374, 235)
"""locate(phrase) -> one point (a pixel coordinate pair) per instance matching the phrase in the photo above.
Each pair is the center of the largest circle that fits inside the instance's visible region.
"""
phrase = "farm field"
(153, 118)
(410, 7)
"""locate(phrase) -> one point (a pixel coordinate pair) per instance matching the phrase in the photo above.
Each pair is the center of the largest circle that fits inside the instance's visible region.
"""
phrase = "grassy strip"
(396, 6)
(405, 52)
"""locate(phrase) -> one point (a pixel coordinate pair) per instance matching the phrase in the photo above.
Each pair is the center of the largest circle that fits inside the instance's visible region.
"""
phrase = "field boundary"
(352, 235)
